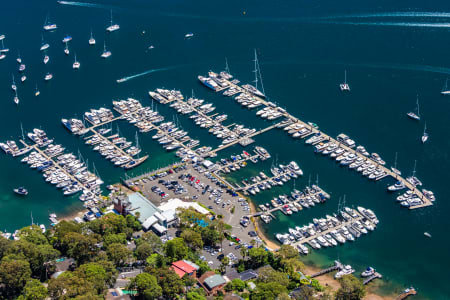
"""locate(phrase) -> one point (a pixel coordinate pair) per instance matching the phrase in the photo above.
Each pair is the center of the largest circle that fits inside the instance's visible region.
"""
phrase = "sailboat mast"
(414, 171)
(418, 112)
(345, 76)
(255, 70)
(395, 162)
(226, 66)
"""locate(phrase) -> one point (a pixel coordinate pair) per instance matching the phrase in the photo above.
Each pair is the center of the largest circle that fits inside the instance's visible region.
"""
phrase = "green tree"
(168, 280)
(69, 285)
(268, 274)
(95, 274)
(192, 238)
(152, 240)
(351, 288)
(236, 284)
(118, 253)
(258, 257)
(34, 290)
(268, 291)
(143, 251)
(194, 295)
(146, 285)
(175, 249)
(133, 223)
(210, 236)
(225, 261)
(61, 229)
(33, 234)
(4, 246)
(14, 274)
(287, 252)
(112, 238)
(304, 293)
(82, 248)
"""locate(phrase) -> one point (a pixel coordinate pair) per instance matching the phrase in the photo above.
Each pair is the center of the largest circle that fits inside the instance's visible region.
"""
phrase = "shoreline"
(326, 280)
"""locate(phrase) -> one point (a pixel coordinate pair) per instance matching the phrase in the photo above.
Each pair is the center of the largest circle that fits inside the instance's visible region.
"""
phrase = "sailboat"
(112, 27)
(19, 59)
(91, 40)
(44, 45)
(37, 93)
(344, 86)
(46, 58)
(16, 99)
(76, 64)
(105, 53)
(414, 116)
(49, 26)
(13, 85)
(445, 90)
(425, 134)
(254, 89)
(413, 179)
(394, 168)
(66, 50)
(3, 50)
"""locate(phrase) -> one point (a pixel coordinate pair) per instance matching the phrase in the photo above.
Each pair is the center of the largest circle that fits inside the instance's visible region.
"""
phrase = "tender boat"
(21, 191)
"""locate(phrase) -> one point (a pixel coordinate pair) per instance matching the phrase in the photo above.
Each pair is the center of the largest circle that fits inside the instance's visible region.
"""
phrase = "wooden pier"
(370, 278)
(337, 266)
(239, 161)
(328, 138)
(408, 292)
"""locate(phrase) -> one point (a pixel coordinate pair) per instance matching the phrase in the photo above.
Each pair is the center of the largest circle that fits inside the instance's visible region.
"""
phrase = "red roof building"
(183, 267)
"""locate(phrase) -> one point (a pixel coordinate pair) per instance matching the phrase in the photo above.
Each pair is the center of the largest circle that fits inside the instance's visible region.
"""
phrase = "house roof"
(213, 281)
(248, 274)
(179, 272)
(182, 267)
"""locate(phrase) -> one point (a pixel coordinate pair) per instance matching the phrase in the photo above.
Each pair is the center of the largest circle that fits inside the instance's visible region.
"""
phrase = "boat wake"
(393, 24)
(392, 15)
(84, 4)
(147, 72)
(392, 66)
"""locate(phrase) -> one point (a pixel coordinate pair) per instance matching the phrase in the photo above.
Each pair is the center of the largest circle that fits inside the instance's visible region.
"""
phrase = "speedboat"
(368, 272)
(48, 76)
(21, 191)
(189, 35)
(67, 39)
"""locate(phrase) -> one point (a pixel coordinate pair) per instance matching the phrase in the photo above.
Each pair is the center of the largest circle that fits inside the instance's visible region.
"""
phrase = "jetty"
(337, 266)
(326, 138)
(372, 277)
(406, 293)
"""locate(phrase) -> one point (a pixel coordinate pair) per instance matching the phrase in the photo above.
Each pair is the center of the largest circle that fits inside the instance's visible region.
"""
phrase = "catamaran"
(91, 40)
(414, 116)
(425, 134)
(112, 27)
(105, 53)
(344, 86)
(76, 64)
(445, 90)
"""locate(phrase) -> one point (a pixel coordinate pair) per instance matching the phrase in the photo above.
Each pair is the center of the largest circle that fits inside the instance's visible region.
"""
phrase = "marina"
(342, 148)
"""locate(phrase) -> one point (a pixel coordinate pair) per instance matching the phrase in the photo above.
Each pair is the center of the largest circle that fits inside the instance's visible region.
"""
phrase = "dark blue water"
(304, 47)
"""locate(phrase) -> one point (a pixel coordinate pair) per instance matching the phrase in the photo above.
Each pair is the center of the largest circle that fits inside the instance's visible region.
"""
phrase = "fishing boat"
(425, 134)
(413, 115)
(76, 64)
(445, 90)
(112, 27)
(49, 26)
(13, 85)
(66, 50)
(105, 53)
(91, 39)
(21, 191)
(344, 86)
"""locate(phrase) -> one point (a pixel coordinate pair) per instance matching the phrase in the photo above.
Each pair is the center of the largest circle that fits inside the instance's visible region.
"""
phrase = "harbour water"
(391, 54)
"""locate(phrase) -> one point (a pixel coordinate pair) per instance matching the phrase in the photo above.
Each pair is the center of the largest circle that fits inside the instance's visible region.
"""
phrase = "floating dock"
(313, 130)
